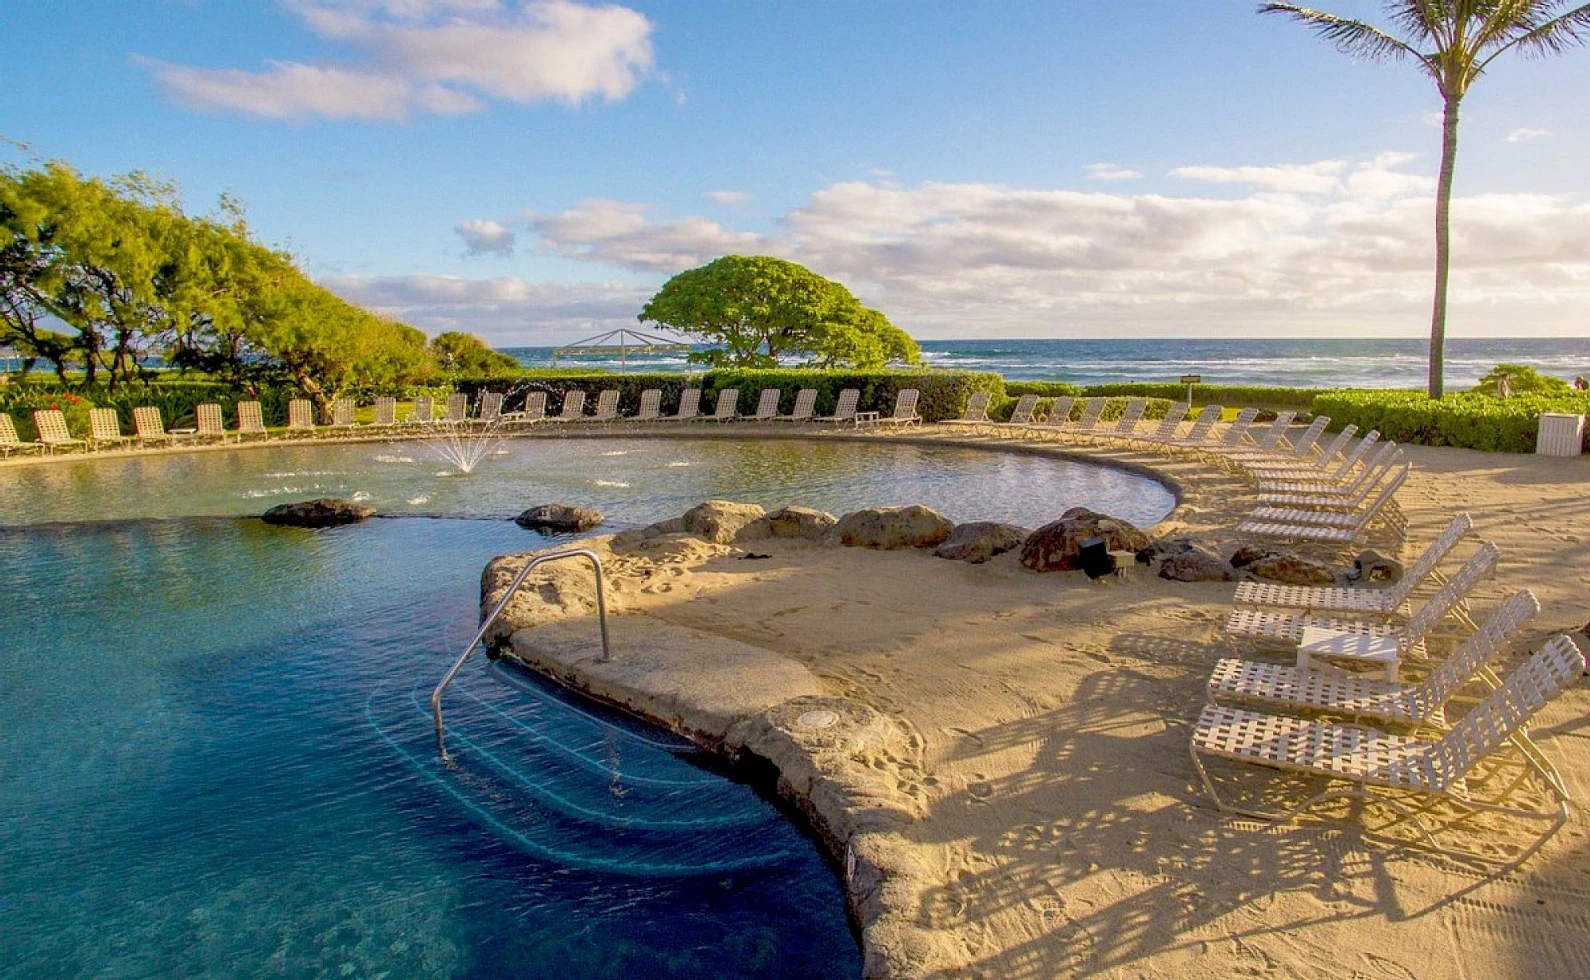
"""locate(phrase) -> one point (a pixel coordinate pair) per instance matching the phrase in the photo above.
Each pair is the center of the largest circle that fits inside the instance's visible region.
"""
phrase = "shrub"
(1468, 420)
(1522, 379)
(1043, 389)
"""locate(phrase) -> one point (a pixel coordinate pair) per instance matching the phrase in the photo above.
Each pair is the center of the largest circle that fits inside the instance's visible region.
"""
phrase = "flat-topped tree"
(763, 311)
(1452, 41)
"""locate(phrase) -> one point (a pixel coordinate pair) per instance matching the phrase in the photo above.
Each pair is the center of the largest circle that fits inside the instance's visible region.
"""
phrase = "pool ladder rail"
(601, 619)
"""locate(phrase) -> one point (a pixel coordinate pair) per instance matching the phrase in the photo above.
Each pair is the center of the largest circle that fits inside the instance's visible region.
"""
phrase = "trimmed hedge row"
(1468, 420)
(1043, 389)
(1227, 395)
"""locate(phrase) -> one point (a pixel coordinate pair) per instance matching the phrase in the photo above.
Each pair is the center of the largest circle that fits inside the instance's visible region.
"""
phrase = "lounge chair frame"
(53, 433)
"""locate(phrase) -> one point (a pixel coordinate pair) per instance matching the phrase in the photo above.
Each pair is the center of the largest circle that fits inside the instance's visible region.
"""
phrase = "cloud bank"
(1334, 247)
(443, 57)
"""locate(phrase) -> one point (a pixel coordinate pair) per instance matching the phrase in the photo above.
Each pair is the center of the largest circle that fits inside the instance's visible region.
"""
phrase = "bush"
(1468, 420)
(1227, 395)
(1043, 389)
(1522, 379)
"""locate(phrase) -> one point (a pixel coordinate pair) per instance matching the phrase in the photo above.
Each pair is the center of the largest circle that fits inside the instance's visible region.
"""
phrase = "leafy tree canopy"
(760, 311)
(465, 355)
(127, 272)
(1521, 378)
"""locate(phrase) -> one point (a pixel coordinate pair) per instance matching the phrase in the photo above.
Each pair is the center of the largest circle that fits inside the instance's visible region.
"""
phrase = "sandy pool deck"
(1032, 806)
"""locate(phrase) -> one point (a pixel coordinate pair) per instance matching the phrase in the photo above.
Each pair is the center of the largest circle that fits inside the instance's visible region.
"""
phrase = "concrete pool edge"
(883, 874)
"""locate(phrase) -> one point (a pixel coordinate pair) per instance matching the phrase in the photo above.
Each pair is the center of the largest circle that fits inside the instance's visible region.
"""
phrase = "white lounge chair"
(975, 415)
(250, 420)
(1052, 423)
(689, 406)
(209, 422)
(1485, 749)
(1372, 602)
(147, 423)
(1285, 451)
(342, 411)
(1092, 411)
(53, 433)
(606, 407)
(385, 412)
(11, 442)
(1319, 471)
(1334, 511)
(1125, 427)
(104, 427)
(1293, 531)
(728, 398)
(573, 407)
(534, 410)
(301, 416)
(457, 408)
(490, 407)
(845, 407)
(650, 405)
(805, 406)
(766, 406)
(1359, 697)
(904, 409)
(1203, 426)
(1284, 628)
(1166, 429)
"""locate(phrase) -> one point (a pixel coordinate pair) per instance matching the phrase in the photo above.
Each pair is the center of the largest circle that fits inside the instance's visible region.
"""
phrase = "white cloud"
(963, 259)
(624, 234)
(1525, 135)
(485, 237)
(505, 310)
(1311, 178)
(1110, 172)
(445, 57)
(727, 198)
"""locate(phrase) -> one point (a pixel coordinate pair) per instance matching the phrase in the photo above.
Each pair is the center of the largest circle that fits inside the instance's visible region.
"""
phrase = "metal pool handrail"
(601, 619)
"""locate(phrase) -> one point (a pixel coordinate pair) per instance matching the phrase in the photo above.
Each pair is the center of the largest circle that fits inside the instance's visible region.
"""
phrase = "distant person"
(1580, 384)
(1504, 386)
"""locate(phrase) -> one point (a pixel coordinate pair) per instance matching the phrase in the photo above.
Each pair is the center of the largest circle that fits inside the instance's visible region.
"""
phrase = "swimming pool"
(217, 758)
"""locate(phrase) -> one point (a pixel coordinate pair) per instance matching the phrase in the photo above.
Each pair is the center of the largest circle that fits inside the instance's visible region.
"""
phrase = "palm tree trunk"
(1443, 244)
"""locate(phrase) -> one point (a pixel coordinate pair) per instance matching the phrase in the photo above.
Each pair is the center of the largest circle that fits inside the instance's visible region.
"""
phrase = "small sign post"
(1189, 380)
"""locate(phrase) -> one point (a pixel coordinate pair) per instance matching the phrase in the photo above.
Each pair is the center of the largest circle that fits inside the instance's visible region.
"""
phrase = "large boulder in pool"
(326, 512)
(1055, 546)
(559, 518)
(889, 528)
(724, 521)
(978, 541)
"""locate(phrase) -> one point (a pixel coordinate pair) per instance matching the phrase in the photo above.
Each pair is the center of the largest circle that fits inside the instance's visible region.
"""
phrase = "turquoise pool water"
(217, 760)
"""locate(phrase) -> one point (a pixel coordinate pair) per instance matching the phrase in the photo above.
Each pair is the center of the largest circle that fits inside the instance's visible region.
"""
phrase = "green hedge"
(1467, 420)
(944, 393)
(1043, 389)
(1227, 395)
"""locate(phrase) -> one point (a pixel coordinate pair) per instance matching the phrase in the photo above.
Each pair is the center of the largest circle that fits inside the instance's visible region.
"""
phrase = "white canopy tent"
(623, 342)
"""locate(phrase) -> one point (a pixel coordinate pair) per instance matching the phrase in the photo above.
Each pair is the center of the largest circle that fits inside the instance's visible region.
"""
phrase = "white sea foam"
(611, 483)
(383, 458)
(361, 495)
(679, 462)
(618, 452)
(416, 501)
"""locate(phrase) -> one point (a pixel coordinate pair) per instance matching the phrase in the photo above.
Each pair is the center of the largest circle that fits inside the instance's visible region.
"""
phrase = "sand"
(1028, 808)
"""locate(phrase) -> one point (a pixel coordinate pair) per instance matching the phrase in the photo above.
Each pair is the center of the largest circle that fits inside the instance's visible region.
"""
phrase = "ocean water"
(1363, 363)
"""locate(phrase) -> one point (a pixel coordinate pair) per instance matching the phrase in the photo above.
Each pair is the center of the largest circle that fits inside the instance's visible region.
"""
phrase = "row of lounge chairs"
(149, 428)
(1398, 744)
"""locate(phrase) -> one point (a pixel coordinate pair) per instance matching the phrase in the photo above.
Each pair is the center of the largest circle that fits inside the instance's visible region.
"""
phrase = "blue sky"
(532, 171)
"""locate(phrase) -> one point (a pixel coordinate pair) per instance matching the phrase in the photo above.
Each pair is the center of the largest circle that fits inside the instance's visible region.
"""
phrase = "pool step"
(579, 786)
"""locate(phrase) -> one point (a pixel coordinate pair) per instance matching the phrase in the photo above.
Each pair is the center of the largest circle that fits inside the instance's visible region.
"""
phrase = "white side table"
(1381, 652)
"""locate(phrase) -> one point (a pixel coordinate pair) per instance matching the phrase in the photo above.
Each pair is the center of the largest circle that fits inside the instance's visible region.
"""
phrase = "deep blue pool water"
(216, 762)
(218, 758)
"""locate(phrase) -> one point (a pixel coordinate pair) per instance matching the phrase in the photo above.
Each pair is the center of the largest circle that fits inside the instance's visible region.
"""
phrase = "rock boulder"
(893, 527)
(1372, 566)
(326, 512)
(1195, 564)
(981, 540)
(800, 522)
(1291, 568)
(1053, 547)
(559, 518)
(724, 521)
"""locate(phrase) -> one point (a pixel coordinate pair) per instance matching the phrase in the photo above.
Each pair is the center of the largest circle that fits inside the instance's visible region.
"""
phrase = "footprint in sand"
(979, 790)
(963, 733)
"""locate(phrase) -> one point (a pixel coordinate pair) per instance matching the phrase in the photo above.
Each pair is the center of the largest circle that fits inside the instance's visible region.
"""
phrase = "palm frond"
(1351, 37)
(1429, 20)
(1569, 30)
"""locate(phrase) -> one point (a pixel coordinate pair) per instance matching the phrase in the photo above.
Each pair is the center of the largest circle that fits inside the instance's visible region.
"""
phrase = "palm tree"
(1463, 38)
